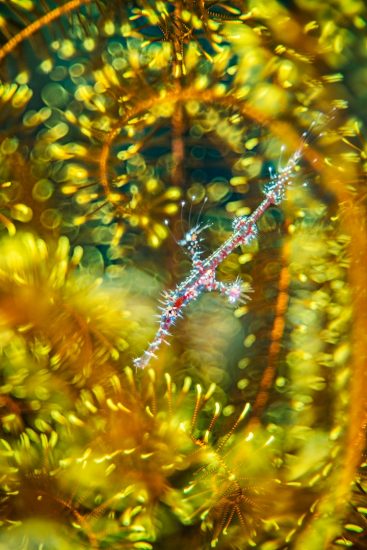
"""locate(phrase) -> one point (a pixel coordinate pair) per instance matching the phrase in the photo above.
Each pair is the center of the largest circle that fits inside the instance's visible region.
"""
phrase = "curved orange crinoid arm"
(38, 24)
(277, 333)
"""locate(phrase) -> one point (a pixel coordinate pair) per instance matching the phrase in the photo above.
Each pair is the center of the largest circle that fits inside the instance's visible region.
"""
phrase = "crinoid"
(250, 428)
(188, 22)
(227, 492)
(125, 454)
(53, 329)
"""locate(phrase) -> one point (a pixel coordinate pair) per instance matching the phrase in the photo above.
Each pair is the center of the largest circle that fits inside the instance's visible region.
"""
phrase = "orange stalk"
(38, 24)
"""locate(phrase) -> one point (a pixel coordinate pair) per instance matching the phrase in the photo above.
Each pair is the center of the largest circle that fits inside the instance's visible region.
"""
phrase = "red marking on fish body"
(179, 301)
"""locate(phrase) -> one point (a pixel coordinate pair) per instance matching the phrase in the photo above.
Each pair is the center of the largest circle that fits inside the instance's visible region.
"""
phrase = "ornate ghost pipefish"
(202, 274)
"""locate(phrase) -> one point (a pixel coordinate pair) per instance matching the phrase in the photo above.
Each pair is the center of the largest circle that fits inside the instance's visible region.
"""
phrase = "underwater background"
(123, 124)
